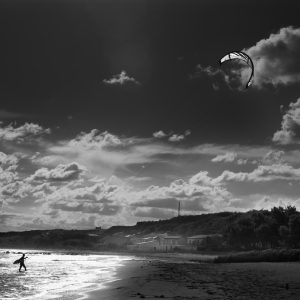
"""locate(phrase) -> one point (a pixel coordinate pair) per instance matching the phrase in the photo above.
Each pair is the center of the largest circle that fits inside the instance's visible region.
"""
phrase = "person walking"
(22, 262)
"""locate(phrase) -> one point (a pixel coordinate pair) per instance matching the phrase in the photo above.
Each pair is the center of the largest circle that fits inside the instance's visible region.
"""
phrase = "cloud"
(101, 152)
(276, 59)
(8, 173)
(176, 137)
(267, 202)
(262, 173)
(199, 193)
(172, 137)
(26, 131)
(88, 208)
(8, 161)
(4, 218)
(290, 121)
(202, 178)
(216, 74)
(179, 137)
(153, 213)
(121, 79)
(67, 172)
(232, 157)
(97, 139)
(159, 134)
(273, 157)
(276, 62)
(226, 157)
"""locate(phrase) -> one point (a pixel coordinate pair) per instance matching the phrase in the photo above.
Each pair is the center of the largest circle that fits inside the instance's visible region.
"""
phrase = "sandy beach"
(171, 278)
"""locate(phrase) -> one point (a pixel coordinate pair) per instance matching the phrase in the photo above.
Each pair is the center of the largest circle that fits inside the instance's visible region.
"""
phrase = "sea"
(56, 275)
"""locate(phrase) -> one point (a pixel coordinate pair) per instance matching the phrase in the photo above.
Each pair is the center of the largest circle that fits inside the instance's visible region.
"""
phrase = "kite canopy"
(241, 56)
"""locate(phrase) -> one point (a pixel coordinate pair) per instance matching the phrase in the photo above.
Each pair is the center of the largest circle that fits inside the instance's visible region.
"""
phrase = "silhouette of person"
(22, 264)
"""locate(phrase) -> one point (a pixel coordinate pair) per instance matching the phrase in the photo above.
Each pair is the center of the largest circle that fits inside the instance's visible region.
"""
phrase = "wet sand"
(172, 279)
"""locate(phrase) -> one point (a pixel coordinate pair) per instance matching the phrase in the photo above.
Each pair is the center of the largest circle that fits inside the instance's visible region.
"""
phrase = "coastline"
(193, 276)
(178, 279)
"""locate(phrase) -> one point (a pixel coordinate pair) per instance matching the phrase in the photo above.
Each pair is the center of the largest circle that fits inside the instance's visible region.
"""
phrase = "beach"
(91, 276)
(171, 278)
(62, 275)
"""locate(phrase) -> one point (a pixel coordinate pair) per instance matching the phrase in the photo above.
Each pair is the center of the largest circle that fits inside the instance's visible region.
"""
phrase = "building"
(143, 243)
(159, 242)
(170, 242)
(203, 240)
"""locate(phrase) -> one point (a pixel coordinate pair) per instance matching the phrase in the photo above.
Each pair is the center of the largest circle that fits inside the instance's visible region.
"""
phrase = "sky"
(111, 112)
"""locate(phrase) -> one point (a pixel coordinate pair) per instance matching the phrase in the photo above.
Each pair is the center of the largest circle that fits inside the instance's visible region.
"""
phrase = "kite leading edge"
(241, 56)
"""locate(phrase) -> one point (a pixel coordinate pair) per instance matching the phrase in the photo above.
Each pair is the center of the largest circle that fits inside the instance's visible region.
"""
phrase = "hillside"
(183, 225)
(261, 229)
(90, 239)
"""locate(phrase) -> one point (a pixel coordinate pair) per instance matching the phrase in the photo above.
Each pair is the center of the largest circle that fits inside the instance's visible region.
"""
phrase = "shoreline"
(191, 276)
(171, 279)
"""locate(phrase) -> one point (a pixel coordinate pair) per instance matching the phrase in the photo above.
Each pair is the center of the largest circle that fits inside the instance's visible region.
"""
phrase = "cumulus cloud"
(100, 152)
(121, 79)
(226, 157)
(96, 139)
(290, 121)
(199, 193)
(172, 137)
(267, 202)
(8, 173)
(28, 130)
(273, 157)
(276, 58)
(179, 137)
(159, 134)
(176, 137)
(8, 161)
(67, 172)
(276, 62)
(262, 173)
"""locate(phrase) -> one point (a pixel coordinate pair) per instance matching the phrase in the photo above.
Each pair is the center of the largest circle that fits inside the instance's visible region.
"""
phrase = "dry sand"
(172, 278)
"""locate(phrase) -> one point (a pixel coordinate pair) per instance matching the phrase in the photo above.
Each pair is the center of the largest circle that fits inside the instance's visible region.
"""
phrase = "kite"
(242, 56)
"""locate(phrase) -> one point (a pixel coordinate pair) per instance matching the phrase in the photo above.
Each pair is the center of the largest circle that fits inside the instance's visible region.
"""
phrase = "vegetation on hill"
(182, 225)
(263, 229)
(254, 229)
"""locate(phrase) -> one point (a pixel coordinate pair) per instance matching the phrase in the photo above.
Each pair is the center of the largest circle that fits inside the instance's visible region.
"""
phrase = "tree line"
(264, 229)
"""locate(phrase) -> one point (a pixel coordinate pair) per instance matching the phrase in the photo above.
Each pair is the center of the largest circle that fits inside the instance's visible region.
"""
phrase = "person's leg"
(22, 265)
